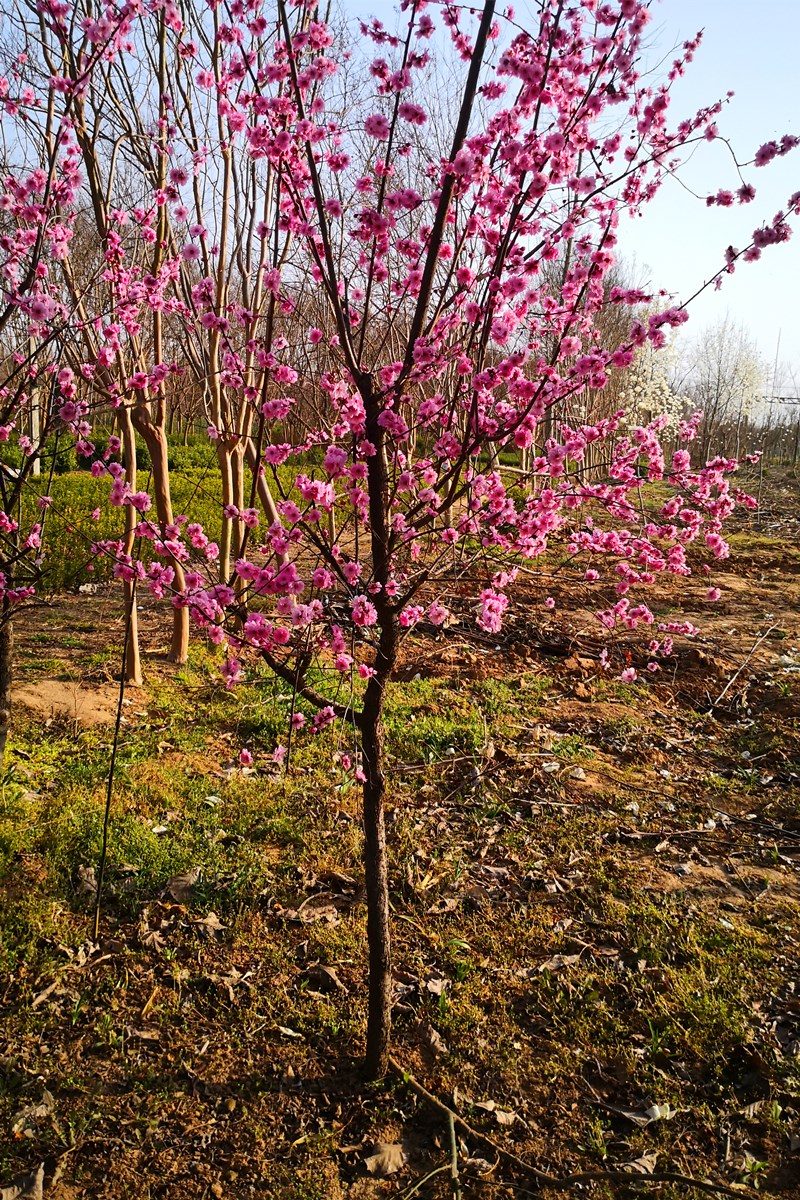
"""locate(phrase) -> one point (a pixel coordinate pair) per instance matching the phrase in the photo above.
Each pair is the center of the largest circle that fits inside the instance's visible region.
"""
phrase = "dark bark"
(376, 862)
(6, 674)
(132, 668)
(376, 866)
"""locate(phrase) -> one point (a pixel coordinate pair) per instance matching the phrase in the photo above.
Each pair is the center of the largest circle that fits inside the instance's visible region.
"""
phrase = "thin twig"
(763, 637)
(566, 1182)
(101, 868)
(412, 1191)
(451, 1129)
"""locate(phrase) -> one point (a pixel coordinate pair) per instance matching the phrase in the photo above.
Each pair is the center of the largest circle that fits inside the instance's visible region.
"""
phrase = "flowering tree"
(727, 378)
(650, 387)
(392, 327)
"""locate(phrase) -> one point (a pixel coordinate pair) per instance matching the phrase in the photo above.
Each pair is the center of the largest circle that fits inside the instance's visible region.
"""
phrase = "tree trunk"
(376, 862)
(133, 663)
(6, 675)
(376, 865)
(224, 459)
(156, 442)
(262, 486)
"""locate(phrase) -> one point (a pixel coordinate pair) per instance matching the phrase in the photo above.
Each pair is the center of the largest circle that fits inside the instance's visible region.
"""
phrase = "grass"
(70, 530)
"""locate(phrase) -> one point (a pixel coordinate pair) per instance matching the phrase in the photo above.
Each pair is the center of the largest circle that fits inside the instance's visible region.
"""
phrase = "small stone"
(578, 773)
(217, 1189)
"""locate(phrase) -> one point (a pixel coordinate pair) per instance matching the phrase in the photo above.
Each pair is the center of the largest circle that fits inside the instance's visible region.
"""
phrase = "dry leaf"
(559, 961)
(87, 881)
(435, 985)
(180, 886)
(432, 1038)
(645, 1165)
(210, 926)
(389, 1157)
(324, 978)
(25, 1187)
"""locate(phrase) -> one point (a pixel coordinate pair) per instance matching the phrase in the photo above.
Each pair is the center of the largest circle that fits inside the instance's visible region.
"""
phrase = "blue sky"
(751, 49)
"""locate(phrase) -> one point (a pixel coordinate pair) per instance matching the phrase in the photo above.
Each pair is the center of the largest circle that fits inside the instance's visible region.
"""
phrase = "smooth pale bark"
(265, 497)
(156, 441)
(228, 532)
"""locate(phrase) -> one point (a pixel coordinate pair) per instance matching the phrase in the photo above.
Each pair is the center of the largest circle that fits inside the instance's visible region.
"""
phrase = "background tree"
(726, 377)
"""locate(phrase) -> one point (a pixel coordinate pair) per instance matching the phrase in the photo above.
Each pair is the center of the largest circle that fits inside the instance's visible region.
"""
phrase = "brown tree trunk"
(376, 861)
(133, 664)
(6, 674)
(376, 864)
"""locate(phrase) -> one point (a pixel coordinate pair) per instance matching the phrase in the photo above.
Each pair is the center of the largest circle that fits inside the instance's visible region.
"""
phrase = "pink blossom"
(437, 613)
(377, 126)
(364, 614)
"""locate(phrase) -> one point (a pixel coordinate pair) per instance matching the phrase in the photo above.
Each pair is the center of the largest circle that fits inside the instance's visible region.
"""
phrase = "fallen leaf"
(325, 978)
(436, 985)
(25, 1187)
(180, 887)
(645, 1165)
(432, 1038)
(87, 881)
(559, 962)
(210, 926)
(389, 1157)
